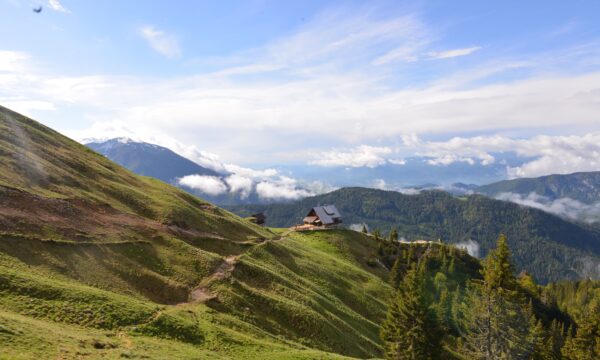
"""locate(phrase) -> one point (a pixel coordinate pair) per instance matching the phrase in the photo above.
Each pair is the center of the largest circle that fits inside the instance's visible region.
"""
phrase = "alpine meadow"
(299, 180)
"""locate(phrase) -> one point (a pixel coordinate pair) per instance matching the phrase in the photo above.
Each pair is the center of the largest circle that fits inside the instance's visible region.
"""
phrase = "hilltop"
(545, 245)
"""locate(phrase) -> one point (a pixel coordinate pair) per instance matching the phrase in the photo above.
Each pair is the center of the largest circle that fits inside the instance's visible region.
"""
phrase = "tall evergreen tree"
(393, 237)
(584, 343)
(410, 331)
(494, 317)
(498, 270)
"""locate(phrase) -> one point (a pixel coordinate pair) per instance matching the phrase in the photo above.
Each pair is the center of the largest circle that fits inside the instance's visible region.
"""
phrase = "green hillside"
(583, 186)
(546, 246)
(96, 262)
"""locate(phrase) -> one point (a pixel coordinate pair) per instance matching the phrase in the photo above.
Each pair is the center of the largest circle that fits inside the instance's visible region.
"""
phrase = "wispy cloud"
(361, 156)
(564, 207)
(447, 54)
(162, 42)
(57, 6)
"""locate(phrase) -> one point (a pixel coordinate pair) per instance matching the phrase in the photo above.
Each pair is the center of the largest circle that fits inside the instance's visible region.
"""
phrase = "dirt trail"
(202, 292)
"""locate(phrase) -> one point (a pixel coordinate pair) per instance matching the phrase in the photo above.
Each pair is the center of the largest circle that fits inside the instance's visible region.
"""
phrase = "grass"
(314, 288)
(97, 262)
(303, 297)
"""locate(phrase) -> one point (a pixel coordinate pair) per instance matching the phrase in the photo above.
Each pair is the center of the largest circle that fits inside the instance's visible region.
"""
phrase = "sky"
(316, 84)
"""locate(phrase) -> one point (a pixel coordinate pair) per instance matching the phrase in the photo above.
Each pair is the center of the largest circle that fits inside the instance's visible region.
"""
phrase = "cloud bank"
(542, 155)
(564, 207)
(272, 188)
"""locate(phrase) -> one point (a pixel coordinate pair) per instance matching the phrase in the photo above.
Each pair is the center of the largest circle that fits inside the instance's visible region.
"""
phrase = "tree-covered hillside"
(444, 307)
(548, 247)
(583, 187)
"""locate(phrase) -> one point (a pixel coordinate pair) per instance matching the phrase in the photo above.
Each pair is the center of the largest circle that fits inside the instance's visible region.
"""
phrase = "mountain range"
(575, 197)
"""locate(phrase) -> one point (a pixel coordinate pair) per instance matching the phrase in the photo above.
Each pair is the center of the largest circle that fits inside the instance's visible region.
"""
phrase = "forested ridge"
(544, 245)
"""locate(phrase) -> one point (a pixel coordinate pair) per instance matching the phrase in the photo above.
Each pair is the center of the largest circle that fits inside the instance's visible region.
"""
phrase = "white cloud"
(453, 53)
(285, 189)
(210, 185)
(160, 41)
(363, 155)
(405, 53)
(379, 184)
(471, 246)
(250, 173)
(239, 184)
(397, 161)
(564, 207)
(12, 61)
(410, 191)
(57, 6)
(551, 154)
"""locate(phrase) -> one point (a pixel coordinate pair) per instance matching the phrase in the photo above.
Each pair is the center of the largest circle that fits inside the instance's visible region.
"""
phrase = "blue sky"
(347, 84)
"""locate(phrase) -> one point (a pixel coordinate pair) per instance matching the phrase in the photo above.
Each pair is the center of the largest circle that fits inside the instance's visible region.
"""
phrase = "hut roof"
(328, 214)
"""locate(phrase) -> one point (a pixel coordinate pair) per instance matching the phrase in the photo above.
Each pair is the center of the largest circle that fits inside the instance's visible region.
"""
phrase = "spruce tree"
(393, 237)
(494, 318)
(498, 270)
(584, 342)
(410, 331)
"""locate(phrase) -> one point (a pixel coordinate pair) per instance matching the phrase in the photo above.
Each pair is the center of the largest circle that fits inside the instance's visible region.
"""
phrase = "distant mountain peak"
(148, 159)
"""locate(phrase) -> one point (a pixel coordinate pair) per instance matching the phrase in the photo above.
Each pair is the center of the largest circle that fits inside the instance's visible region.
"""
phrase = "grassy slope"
(73, 212)
(93, 260)
(285, 298)
(315, 288)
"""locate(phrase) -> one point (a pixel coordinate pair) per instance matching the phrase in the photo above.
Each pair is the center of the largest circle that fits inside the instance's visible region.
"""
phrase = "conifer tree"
(498, 271)
(410, 330)
(539, 341)
(393, 237)
(494, 317)
(443, 311)
(584, 342)
(396, 272)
